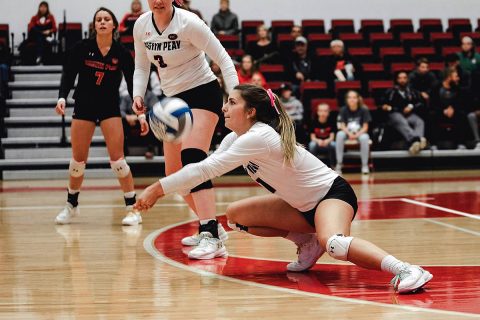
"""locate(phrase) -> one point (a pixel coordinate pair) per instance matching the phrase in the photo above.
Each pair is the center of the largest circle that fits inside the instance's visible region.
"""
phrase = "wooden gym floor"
(97, 269)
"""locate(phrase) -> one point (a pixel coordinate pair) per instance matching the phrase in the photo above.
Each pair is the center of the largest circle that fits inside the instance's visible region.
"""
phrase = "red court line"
(452, 289)
(243, 184)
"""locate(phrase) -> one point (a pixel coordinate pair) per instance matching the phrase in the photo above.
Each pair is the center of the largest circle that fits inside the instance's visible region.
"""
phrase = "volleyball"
(171, 121)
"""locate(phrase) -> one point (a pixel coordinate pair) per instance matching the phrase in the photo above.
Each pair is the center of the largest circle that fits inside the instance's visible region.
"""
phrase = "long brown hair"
(258, 98)
(115, 22)
(43, 3)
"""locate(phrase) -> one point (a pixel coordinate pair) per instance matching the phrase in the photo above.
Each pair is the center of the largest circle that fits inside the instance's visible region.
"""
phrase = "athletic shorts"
(340, 190)
(207, 96)
(95, 112)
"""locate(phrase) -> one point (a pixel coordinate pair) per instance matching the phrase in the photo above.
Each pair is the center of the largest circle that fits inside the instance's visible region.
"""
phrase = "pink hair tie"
(272, 100)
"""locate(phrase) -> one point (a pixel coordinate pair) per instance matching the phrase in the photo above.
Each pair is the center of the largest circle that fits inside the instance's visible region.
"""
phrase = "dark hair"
(115, 22)
(43, 3)
(359, 97)
(422, 60)
(253, 70)
(399, 73)
(258, 98)
(447, 73)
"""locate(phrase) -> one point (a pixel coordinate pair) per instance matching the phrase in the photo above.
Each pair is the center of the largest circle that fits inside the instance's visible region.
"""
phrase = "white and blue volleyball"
(171, 121)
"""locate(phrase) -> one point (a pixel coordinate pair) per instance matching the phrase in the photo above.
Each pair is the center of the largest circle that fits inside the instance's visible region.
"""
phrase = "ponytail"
(286, 129)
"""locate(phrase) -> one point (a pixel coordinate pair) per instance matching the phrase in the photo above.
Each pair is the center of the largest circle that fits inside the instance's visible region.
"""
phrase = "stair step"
(41, 153)
(42, 132)
(40, 112)
(51, 120)
(35, 102)
(38, 77)
(50, 174)
(15, 141)
(36, 69)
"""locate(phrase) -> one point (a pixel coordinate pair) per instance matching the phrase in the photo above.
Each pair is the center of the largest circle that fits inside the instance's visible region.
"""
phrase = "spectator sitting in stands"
(128, 21)
(258, 80)
(449, 117)
(302, 66)
(264, 50)
(422, 79)
(247, 70)
(453, 61)
(225, 21)
(353, 120)
(402, 104)
(322, 134)
(469, 58)
(340, 66)
(294, 109)
(287, 48)
(41, 30)
(186, 6)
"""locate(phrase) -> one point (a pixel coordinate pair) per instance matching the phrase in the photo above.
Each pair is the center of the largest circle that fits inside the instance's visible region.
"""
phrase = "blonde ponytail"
(286, 129)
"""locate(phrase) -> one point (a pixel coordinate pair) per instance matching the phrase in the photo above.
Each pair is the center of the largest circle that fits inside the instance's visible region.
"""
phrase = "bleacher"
(32, 139)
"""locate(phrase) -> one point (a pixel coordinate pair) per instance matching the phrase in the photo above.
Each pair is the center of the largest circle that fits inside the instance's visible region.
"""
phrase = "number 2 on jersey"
(161, 63)
(99, 75)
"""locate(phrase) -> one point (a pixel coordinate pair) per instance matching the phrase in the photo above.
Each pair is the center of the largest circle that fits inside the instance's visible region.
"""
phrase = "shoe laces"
(207, 239)
(404, 273)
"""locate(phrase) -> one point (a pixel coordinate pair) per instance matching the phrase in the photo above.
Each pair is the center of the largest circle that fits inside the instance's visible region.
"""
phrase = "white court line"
(97, 206)
(451, 226)
(432, 206)
(149, 246)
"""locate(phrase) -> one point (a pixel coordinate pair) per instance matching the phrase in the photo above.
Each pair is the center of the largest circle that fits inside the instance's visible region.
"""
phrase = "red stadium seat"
(398, 26)
(284, 40)
(323, 52)
(440, 40)
(313, 89)
(249, 39)
(424, 52)
(374, 71)
(273, 72)
(428, 26)
(5, 34)
(446, 51)
(382, 40)
(353, 40)
(363, 55)
(280, 26)
(395, 54)
(229, 41)
(249, 27)
(313, 26)
(368, 26)
(342, 87)
(342, 26)
(370, 103)
(402, 66)
(411, 39)
(377, 89)
(275, 85)
(457, 26)
(332, 103)
(437, 66)
(236, 54)
(319, 40)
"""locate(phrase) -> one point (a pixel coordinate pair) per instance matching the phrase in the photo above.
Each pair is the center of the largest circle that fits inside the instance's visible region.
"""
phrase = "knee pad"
(338, 245)
(120, 167)
(192, 155)
(76, 169)
(237, 226)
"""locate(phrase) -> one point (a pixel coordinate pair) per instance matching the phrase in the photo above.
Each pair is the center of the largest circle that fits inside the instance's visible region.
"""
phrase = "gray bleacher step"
(40, 112)
(50, 174)
(34, 85)
(65, 161)
(37, 69)
(35, 102)
(42, 132)
(51, 120)
(33, 94)
(6, 142)
(38, 77)
(42, 153)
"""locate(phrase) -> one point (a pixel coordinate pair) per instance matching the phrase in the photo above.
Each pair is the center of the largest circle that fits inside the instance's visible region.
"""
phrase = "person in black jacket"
(225, 21)
(402, 103)
(99, 63)
(422, 79)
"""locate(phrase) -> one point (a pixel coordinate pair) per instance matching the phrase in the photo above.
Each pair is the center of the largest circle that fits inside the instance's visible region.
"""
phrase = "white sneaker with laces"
(365, 170)
(67, 214)
(132, 219)
(308, 254)
(411, 279)
(208, 248)
(194, 240)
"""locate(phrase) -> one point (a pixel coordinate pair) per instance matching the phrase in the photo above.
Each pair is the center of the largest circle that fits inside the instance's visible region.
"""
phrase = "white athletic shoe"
(411, 279)
(194, 240)
(423, 143)
(338, 169)
(414, 148)
(132, 219)
(208, 248)
(67, 214)
(365, 170)
(308, 254)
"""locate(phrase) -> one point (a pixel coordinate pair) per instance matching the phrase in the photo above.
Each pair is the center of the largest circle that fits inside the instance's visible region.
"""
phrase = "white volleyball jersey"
(179, 54)
(301, 184)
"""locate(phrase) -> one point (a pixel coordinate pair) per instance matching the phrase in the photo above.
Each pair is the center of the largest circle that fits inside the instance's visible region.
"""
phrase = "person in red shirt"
(128, 21)
(247, 71)
(41, 28)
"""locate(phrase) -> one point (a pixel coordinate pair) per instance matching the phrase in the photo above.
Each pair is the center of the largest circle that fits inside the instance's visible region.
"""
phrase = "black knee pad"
(192, 155)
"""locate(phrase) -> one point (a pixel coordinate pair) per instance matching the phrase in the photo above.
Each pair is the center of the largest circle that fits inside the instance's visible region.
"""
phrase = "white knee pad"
(338, 245)
(237, 227)
(120, 167)
(76, 169)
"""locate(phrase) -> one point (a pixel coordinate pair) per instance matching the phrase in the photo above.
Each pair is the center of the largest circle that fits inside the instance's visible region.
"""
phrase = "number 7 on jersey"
(99, 75)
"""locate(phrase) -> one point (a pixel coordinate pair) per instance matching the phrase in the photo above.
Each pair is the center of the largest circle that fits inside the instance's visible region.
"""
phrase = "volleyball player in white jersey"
(307, 196)
(176, 41)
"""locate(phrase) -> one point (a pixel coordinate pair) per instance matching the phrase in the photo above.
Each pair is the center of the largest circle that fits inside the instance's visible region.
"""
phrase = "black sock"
(211, 226)
(72, 198)
(130, 201)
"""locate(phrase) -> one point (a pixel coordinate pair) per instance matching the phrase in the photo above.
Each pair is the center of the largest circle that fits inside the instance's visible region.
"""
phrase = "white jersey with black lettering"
(301, 184)
(179, 54)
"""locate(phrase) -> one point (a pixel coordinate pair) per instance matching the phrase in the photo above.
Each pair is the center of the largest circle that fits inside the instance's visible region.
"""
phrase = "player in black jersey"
(99, 63)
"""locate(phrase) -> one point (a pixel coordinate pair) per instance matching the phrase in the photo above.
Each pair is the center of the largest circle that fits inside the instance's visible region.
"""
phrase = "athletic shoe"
(132, 219)
(338, 169)
(308, 254)
(365, 170)
(411, 279)
(414, 148)
(423, 143)
(477, 146)
(461, 147)
(67, 214)
(208, 248)
(194, 240)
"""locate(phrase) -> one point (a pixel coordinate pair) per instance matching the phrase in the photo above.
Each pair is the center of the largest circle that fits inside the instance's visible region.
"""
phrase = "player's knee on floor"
(192, 155)
(76, 168)
(120, 168)
(338, 245)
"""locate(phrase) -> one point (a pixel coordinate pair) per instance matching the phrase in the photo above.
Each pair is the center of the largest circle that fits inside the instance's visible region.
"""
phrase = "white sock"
(205, 221)
(129, 195)
(71, 191)
(392, 265)
(298, 238)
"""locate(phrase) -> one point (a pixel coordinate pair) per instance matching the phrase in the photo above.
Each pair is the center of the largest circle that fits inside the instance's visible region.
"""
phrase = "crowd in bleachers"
(418, 88)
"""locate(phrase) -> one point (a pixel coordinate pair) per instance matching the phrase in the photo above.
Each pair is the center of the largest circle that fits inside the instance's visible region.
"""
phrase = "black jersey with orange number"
(99, 76)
